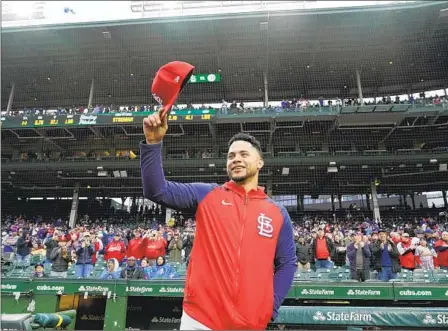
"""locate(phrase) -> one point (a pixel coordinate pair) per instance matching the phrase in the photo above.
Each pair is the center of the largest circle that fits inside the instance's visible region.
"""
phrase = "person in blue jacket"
(162, 270)
(111, 271)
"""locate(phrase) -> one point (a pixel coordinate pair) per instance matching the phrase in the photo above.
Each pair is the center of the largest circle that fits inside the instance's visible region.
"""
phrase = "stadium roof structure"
(398, 49)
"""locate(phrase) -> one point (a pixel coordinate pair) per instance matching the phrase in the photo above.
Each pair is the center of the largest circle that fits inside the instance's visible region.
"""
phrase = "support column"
(368, 202)
(333, 208)
(358, 82)
(412, 194)
(74, 210)
(265, 84)
(92, 89)
(340, 200)
(376, 208)
(11, 97)
(300, 207)
(445, 200)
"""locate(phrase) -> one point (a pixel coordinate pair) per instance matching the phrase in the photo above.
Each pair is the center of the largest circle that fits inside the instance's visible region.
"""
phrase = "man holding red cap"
(243, 260)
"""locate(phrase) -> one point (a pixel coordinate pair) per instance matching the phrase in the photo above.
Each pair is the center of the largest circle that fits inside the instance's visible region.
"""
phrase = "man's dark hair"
(248, 138)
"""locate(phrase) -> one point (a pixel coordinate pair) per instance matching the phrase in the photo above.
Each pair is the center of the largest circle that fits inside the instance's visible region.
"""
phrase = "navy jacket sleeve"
(170, 194)
(285, 263)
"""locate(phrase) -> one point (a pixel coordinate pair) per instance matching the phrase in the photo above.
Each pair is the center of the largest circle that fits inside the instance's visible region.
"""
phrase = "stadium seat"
(15, 273)
(35, 259)
(440, 275)
(404, 276)
(303, 276)
(339, 276)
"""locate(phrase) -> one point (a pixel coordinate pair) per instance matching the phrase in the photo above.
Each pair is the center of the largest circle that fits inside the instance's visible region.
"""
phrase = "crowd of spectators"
(367, 246)
(301, 104)
(150, 249)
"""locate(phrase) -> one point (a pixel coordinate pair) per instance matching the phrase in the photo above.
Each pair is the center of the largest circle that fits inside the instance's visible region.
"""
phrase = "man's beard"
(238, 179)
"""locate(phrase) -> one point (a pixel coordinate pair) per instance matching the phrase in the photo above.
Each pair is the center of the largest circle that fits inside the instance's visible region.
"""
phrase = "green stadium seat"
(303, 276)
(405, 276)
(339, 276)
(35, 259)
(373, 275)
(421, 275)
(440, 275)
(321, 277)
(16, 273)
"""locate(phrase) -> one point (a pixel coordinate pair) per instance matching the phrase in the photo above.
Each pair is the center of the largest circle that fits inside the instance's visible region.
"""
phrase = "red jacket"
(151, 249)
(98, 246)
(243, 259)
(442, 252)
(135, 248)
(115, 249)
(407, 257)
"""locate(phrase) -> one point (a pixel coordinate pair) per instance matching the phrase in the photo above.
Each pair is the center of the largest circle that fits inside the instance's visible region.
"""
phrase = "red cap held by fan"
(169, 82)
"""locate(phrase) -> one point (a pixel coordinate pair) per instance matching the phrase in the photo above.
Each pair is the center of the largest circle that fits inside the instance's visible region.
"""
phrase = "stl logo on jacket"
(265, 227)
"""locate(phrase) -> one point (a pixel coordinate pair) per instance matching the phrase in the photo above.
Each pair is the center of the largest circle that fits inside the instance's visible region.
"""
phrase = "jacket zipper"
(246, 201)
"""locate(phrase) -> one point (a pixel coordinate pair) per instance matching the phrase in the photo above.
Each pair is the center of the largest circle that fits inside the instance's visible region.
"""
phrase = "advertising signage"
(66, 121)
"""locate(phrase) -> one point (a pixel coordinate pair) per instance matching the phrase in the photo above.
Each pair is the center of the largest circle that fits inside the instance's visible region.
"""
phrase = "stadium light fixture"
(443, 167)
(123, 173)
(390, 62)
(48, 78)
(332, 163)
(342, 167)
(116, 173)
(285, 171)
(364, 166)
(418, 165)
(332, 169)
(433, 161)
(312, 167)
(132, 75)
(345, 86)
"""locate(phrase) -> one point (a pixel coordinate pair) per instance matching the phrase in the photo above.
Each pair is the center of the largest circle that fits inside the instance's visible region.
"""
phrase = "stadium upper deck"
(398, 50)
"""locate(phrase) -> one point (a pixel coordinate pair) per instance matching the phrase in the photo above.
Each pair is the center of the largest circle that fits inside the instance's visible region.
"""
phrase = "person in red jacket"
(407, 252)
(441, 247)
(153, 245)
(243, 259)
(115, 249)
(135, 246)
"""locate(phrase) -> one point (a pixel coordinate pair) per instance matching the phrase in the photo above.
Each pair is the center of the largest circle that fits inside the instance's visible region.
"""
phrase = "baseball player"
(243, 260)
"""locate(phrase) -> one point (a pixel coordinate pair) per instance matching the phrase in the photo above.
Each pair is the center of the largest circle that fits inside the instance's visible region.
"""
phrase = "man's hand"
(155, 128)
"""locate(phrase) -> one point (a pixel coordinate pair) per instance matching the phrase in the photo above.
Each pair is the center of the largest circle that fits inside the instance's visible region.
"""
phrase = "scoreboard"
(66, 120)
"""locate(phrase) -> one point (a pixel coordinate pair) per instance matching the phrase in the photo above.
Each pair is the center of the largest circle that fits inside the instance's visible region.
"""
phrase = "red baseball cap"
(169, 82)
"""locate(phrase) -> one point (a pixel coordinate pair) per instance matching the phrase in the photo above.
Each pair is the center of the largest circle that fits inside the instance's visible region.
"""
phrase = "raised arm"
(156, 188)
